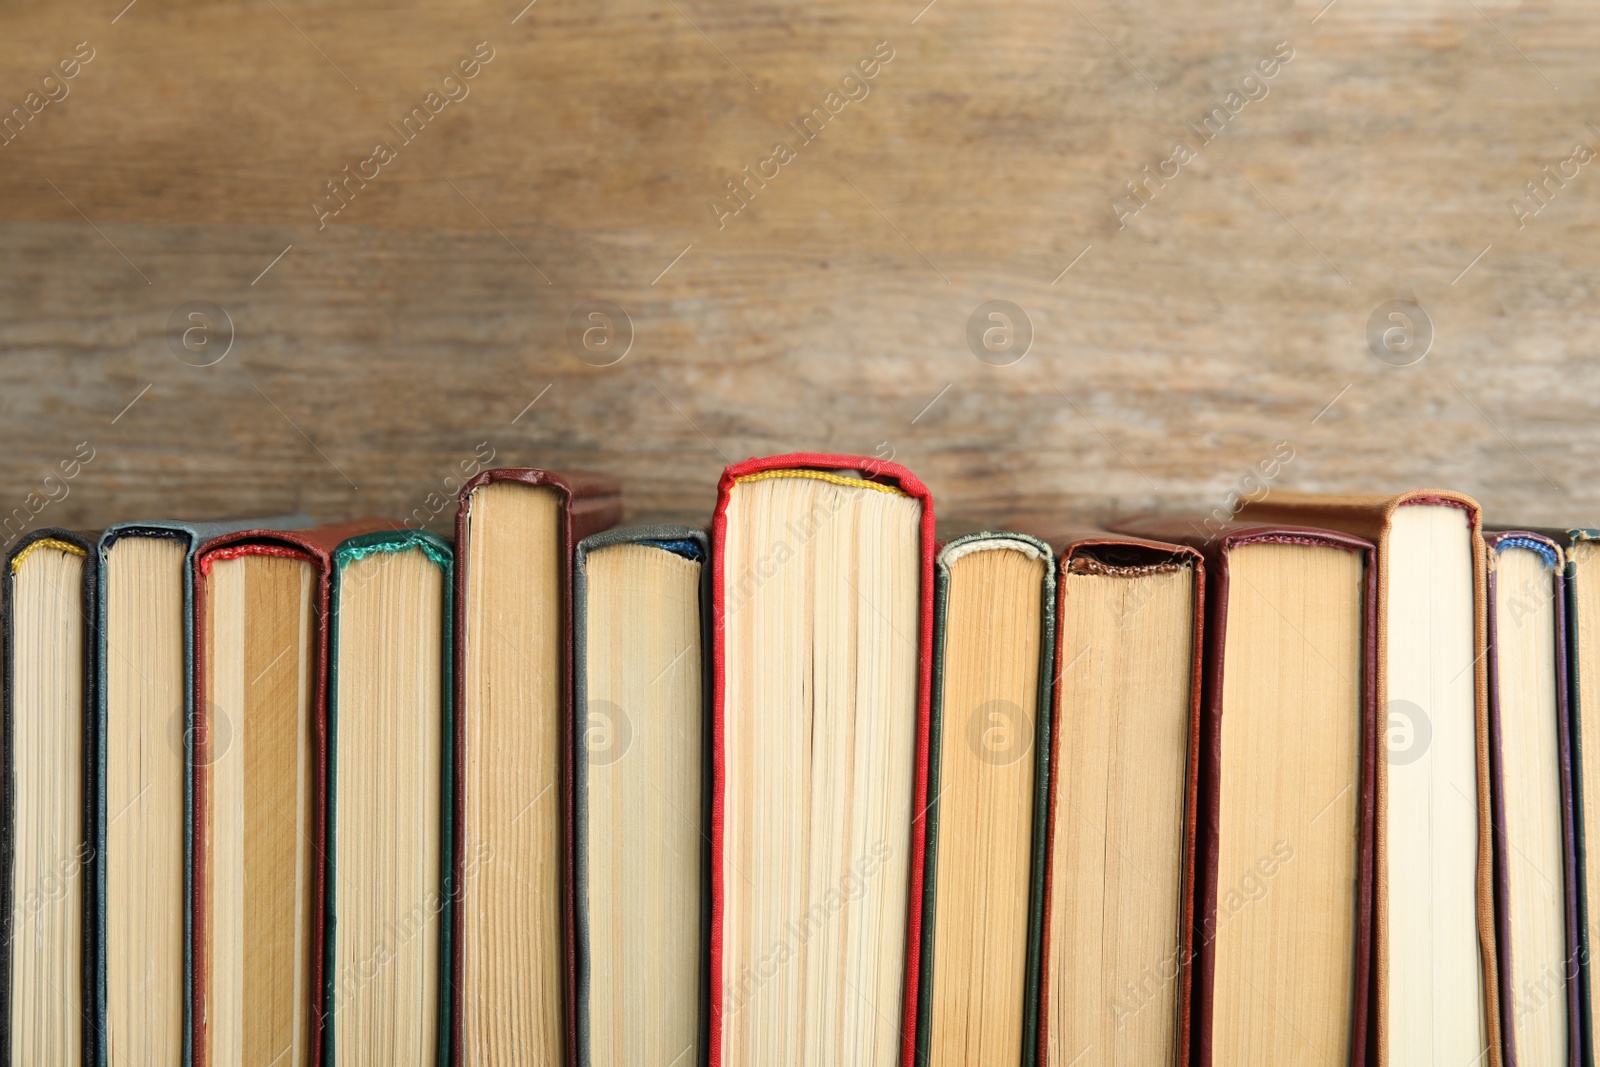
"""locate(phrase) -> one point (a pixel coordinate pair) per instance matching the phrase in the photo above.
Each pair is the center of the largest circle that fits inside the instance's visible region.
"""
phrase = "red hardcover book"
(219, 729)
(822, 612)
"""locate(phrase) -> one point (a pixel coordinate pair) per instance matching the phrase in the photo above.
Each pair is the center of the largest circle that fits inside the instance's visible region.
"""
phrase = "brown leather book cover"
(589, 503)
(1076, 548)
(1369, 517)
(316, 546)
(1214, 542)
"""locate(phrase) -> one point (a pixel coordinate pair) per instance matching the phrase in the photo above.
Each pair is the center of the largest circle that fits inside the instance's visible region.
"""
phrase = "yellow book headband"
(824, 476)
(45, 542)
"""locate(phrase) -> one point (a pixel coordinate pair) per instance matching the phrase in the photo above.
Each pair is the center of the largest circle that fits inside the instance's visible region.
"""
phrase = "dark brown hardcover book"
(514, 959)
(1117, 942)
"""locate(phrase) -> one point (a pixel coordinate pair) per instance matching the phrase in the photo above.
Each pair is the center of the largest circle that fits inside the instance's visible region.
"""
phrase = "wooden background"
(409, 335)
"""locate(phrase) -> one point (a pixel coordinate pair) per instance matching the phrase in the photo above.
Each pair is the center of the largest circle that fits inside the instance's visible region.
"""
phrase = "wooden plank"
(580, 164)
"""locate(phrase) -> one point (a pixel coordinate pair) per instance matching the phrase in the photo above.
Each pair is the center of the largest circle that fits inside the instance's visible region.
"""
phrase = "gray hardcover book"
(642, 783)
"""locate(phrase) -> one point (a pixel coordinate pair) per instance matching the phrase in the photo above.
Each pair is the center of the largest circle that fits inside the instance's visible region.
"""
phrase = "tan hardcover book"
(1531, 790)
(386, 909)
(144, 762)
(642, 902)
(261, 623)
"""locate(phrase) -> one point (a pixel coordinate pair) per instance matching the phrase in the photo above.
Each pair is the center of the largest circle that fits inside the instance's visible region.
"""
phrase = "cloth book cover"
(317, 547)
(80, 545)
(1372, 518)
(192, 536)
(902, 480)
(692, 543)
(1040, 749)
(1216, 544)
(590, 503)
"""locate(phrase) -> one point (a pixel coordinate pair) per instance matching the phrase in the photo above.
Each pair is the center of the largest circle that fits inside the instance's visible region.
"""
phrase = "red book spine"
(912, 486)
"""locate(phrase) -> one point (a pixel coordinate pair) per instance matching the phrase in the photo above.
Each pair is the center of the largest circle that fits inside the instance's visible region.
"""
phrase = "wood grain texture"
(373, 358)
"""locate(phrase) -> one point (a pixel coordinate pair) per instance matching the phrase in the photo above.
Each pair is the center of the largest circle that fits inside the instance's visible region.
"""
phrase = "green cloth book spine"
(1041, 794)
(439, 552)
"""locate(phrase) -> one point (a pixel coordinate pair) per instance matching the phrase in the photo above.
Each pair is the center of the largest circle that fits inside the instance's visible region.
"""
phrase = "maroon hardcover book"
(1096, 551)
(1218, 545)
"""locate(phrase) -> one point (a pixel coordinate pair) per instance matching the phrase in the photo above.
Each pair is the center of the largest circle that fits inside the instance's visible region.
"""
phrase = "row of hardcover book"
(818, 785)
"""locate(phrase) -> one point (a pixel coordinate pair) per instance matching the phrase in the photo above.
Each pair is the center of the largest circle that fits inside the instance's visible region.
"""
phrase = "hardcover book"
(144, 788)
(1531, 793)
(640, 611)
(1435, 976)
(822, 622)
(390, 788)
(988, 772)
(1283, 876)
(514, 957)
(1582, 583)
(47, 824)
(261, 615)
(1118, 934)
